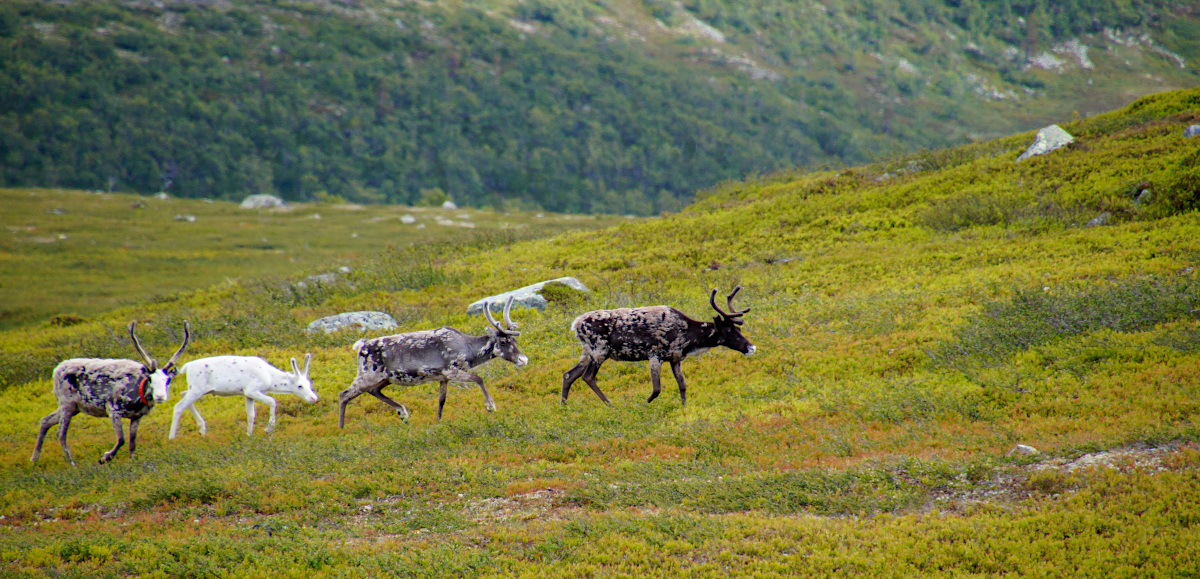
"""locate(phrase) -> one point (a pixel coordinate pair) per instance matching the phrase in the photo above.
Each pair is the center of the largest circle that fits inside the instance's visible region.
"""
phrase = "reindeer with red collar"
(114, 388)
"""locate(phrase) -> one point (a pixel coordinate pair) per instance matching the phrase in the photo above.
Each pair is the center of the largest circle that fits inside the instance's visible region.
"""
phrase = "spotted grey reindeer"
(247, 376)
(445, 355)
(113, 388)
(658, 334)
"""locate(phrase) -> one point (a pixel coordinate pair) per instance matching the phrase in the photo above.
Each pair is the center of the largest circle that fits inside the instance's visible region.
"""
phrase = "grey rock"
(1143, 197)
(162, 195)
(449, 205)
(185, 217)
(1101, 219)
(408, 219)
(1023, 450)
(1192, 131)
(1048, 139)
(362, 321)
(323, 278)
(262, 201)
(527, 296)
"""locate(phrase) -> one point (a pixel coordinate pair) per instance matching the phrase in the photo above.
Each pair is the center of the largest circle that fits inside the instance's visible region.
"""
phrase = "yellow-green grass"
(74, 253)
(915, 321)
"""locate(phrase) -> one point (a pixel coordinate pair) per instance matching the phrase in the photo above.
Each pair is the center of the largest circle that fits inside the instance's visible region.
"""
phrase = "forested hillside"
(619, 106)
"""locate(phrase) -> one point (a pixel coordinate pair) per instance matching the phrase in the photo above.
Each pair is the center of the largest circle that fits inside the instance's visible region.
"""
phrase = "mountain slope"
(620, 106)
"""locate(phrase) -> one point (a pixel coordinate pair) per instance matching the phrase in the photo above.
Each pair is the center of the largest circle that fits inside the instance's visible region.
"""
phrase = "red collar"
(142, 389)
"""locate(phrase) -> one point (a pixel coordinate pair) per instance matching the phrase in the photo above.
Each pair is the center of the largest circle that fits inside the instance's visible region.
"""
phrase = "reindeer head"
(728, 324)
(300, 381)
(160, 378)
(505, 339)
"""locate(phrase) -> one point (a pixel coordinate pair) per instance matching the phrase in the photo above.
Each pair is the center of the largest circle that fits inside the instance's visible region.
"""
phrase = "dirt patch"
(1006, 486)
(544, 504)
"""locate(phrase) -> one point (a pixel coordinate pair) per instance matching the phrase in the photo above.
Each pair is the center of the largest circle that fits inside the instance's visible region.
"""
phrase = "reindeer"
(658, 334)
(445, 355)
(113, 388)
(247, 376)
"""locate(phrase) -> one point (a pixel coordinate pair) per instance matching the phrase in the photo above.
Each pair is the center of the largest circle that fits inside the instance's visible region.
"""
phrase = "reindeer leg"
(589, 376)
(66, 413)
(400, 408)
(572, 375)
(655, 370)
(199, 419)
(466, 377)
(116, 422)
(133, 426)
(259, 396)
(250, 414)
(677, 369)
(188, 402)
(355, 390)
(50, 420)
(441, 397)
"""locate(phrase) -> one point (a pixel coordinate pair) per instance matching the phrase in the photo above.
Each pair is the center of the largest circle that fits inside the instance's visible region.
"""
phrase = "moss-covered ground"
(915, 321)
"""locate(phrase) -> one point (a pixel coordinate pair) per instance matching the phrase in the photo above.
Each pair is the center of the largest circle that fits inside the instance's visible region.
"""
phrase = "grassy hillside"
(915, 321)
(619, 106)
(69, 254)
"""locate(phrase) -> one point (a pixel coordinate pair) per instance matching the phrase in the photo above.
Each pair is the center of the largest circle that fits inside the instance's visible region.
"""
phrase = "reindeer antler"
(187, 337)
(511, 327)
(508, 323)
(150, 363)
(733, 315)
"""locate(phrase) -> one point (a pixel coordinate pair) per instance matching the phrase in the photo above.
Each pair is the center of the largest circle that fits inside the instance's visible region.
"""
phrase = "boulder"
(1101, 219)
(1192, 131)
(262, 201)
(1048, 139)
(449, 205)
(1023, 450)
(528, 296)
(362, 321)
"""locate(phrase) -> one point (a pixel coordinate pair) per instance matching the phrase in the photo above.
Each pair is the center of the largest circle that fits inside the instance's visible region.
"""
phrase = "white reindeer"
(246, 376)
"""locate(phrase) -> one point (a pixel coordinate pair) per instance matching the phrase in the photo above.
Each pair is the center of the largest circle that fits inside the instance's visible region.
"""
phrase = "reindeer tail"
(357, 345)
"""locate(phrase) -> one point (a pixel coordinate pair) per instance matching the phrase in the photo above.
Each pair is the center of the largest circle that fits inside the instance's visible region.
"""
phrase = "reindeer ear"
(307, 362)
(295, 367)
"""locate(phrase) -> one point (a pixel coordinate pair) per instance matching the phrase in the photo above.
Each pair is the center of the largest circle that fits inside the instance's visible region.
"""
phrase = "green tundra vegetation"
(67, 254)
(916, 319)
(611, 106)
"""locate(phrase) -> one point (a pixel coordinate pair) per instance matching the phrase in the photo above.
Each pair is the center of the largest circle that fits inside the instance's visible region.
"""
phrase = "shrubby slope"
(915, 319)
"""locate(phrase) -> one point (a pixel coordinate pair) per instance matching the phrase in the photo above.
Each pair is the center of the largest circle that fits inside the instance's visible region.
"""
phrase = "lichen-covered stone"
(262, 201)
(1048, 139)
(528, 296)
(362, 321)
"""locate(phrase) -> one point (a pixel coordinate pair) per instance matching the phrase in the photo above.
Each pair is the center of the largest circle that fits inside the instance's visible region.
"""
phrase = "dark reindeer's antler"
(150, 362)
(509, 325)
(187, 337)
(733, 315)
(511, 328)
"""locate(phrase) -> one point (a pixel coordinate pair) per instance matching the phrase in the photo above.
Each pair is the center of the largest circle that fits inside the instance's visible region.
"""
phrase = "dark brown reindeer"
(113, 388)
(444, 355)
(658, 334)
